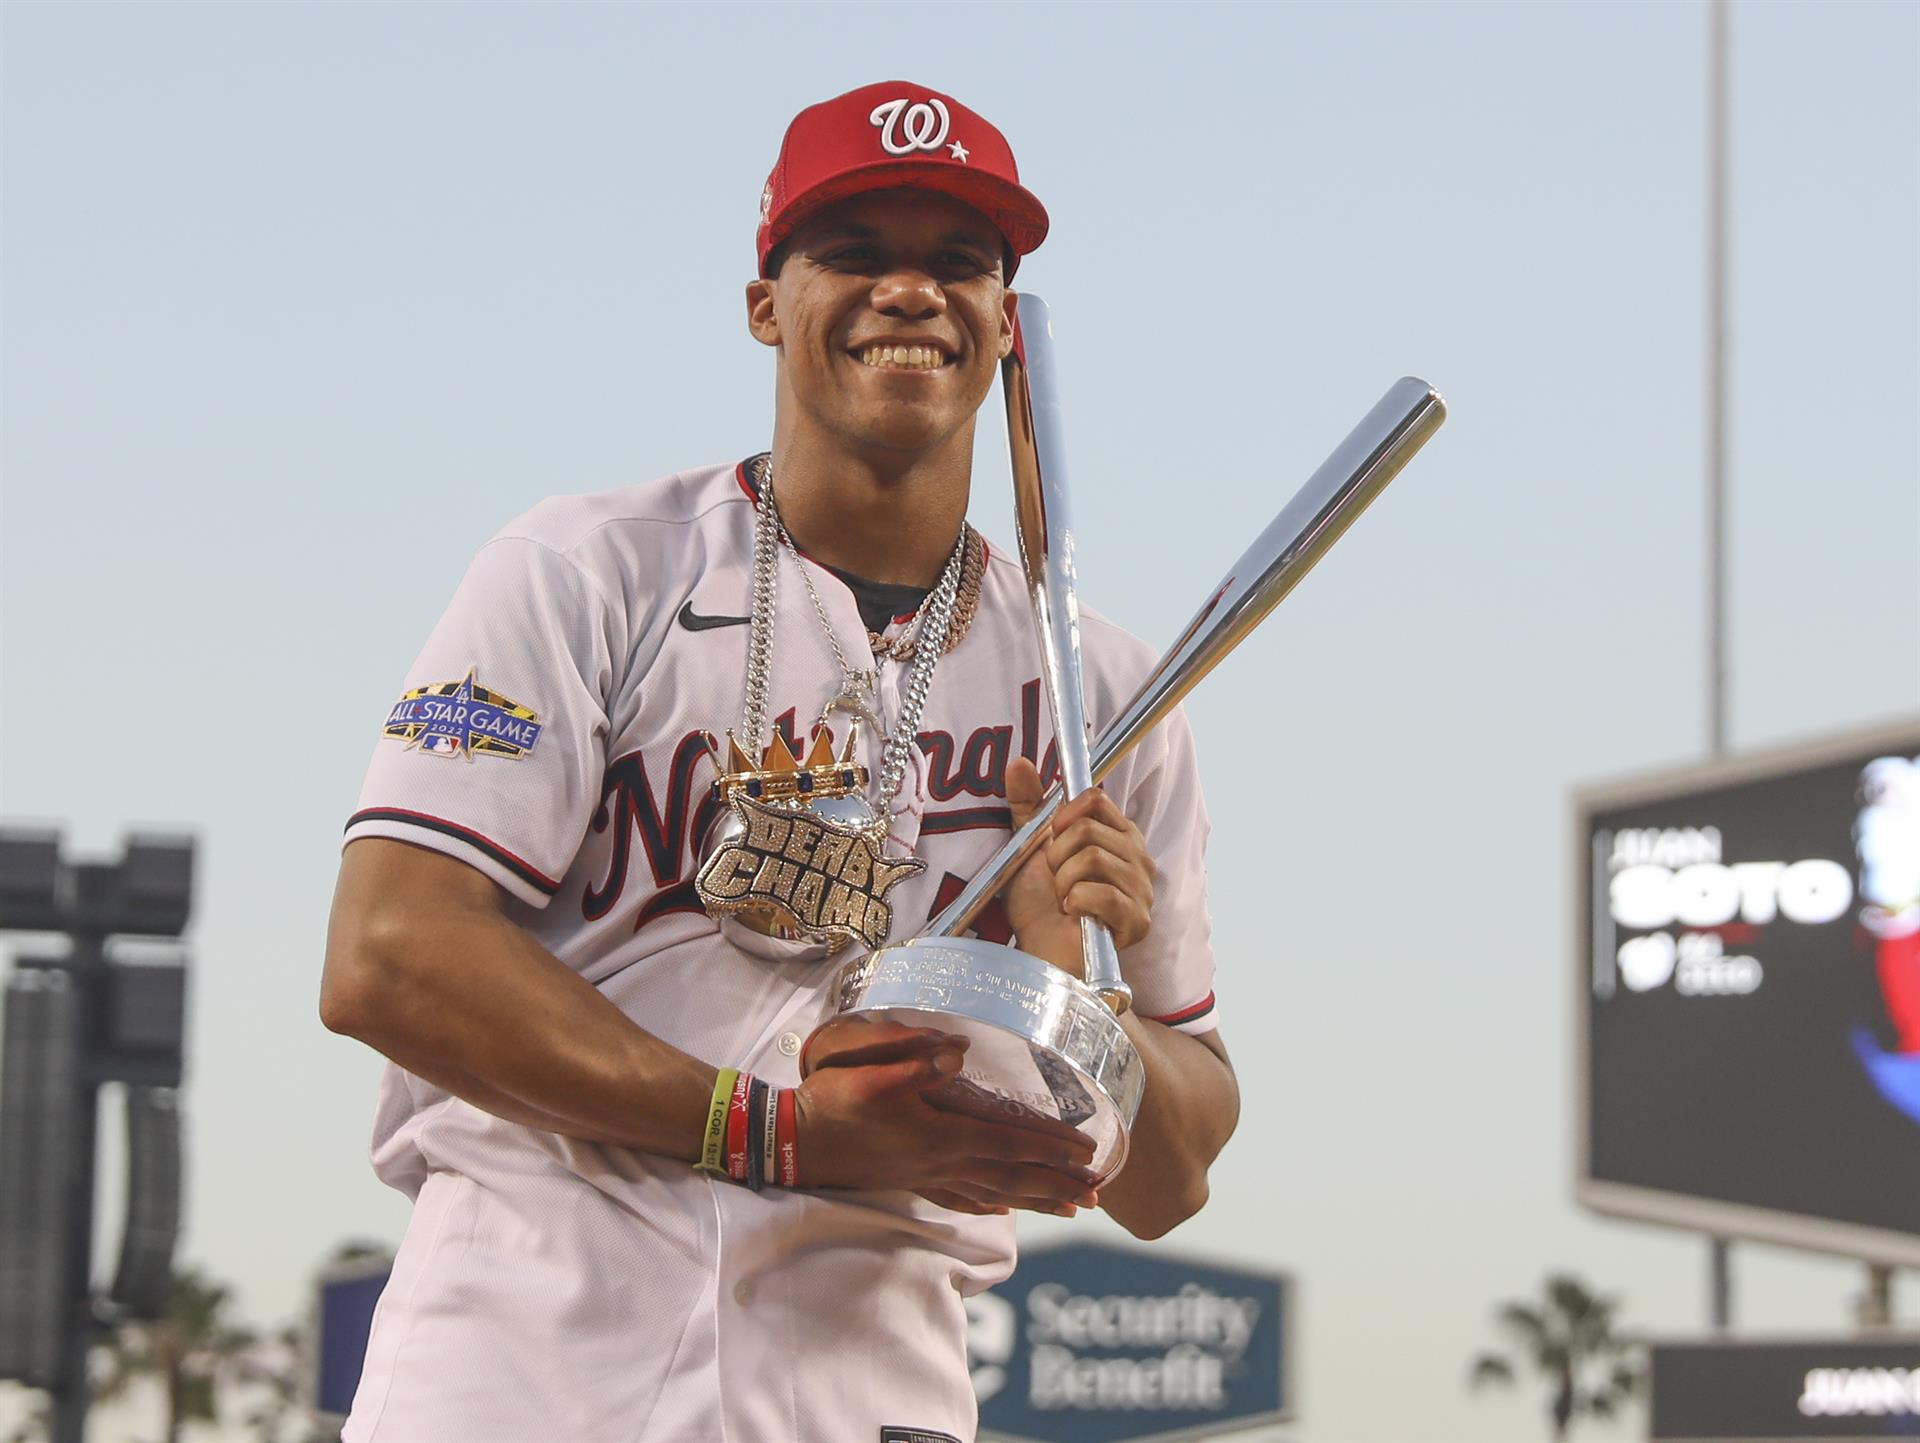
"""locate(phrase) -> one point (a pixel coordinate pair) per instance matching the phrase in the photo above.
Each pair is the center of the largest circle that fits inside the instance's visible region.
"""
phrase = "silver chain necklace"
(856, 686)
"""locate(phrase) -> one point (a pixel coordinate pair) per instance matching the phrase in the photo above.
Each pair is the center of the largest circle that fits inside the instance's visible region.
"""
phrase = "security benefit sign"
(1751, 986)
(1840, 1388)
(1090, 1344)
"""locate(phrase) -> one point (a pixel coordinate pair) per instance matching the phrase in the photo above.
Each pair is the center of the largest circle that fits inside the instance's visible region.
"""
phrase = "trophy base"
(1043, 1049)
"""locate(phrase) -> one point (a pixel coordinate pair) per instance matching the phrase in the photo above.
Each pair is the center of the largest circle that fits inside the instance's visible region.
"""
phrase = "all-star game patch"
(463, 718)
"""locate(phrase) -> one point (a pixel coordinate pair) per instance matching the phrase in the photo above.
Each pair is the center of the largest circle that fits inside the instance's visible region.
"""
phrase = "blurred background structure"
(300, 302)
(76, 1019)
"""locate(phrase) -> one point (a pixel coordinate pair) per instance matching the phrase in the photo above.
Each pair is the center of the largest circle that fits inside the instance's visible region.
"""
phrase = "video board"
(1749, 984)
(1758, 1390)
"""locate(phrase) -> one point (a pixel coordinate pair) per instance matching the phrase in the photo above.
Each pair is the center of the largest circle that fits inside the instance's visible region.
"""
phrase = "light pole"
(76, 1019)
(1719, 1249)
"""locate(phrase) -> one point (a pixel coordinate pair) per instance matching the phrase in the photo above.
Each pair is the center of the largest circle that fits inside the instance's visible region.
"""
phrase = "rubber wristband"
(737, 1127)
(713, 1147)
(756, 1135)
(786, 1142)
(770, 1136)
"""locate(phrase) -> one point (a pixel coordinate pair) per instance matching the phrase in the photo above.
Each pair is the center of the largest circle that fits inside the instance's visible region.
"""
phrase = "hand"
(1094, 864)
(862, 1122)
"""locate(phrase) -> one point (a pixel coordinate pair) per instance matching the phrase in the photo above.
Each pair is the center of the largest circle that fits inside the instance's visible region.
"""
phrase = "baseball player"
(633, 1218)
(1886, 834)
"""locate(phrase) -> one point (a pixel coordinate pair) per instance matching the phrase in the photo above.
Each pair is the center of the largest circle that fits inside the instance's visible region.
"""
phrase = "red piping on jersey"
(528, 872)
(740, 476)
(1186, 1014)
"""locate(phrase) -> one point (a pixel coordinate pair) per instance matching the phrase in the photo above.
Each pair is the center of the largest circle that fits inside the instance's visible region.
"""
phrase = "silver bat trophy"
(1043, 1046)
(1044, 526)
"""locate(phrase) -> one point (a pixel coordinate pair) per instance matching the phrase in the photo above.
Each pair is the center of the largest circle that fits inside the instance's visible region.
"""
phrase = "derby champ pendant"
(794, 869)
(795, 853)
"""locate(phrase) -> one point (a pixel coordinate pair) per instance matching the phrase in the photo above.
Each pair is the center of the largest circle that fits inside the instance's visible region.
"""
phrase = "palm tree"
(282, 1413)
(194, 1351)
(1569, 1340)
(34, 1426)
(203, 1358)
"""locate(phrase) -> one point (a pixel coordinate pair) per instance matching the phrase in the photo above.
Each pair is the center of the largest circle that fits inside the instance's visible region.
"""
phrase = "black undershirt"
(881, 601)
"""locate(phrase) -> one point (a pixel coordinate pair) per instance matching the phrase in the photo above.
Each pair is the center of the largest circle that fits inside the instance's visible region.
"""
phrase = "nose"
(908, 294)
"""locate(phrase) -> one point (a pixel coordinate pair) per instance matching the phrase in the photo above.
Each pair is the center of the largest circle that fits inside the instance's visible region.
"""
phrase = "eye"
(963, 262)
(853, 256)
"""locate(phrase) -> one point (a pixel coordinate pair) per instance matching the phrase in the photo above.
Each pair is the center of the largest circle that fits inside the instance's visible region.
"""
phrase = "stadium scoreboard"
(1748, 943)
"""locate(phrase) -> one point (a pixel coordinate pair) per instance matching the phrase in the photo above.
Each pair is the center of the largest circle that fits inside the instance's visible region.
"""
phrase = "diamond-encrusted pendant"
(796, 856)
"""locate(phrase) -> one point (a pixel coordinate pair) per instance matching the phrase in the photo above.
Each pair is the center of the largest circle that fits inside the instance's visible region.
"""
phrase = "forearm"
(469, 1001)
(425, 964)
(1095, 864)
(482, 1093)
(1187, 1113)
(1188, 1107)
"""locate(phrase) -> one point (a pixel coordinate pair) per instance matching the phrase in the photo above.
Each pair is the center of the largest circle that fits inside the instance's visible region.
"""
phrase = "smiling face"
(890, 313)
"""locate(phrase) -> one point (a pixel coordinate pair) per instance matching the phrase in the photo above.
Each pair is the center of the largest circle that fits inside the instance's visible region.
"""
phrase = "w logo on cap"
(828, 156)
(906, 128)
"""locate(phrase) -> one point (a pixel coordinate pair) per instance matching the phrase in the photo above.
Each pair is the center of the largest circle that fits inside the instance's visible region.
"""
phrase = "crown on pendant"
(782, 777)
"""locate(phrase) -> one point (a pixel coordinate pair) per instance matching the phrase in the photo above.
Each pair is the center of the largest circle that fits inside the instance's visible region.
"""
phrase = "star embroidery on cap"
(959, 152)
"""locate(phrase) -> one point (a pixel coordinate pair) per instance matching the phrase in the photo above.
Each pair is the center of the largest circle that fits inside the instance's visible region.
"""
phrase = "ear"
(762, 321)
(1008, 304)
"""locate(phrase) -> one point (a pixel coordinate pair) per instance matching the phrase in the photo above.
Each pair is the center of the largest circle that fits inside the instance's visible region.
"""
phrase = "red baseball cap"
(893, 134)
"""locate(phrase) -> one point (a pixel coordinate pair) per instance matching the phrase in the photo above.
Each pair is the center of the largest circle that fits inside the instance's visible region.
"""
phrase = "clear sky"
(301, 302)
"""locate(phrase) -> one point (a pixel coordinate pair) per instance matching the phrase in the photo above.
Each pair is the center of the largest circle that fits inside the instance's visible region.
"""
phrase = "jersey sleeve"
(494, 750)
(1171, 969)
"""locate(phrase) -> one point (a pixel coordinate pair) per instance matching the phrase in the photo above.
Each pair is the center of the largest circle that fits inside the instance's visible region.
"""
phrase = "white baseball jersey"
(550, 735)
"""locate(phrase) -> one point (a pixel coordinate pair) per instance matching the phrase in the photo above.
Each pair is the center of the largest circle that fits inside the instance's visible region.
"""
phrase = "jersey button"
(789, 1044)
(743, 1293)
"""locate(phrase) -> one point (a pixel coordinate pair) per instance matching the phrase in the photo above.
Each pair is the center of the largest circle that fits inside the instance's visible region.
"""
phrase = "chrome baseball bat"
(1374, 452)
(1043, 526)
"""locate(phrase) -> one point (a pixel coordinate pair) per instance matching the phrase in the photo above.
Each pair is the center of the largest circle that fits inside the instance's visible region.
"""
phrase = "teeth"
(916, 358)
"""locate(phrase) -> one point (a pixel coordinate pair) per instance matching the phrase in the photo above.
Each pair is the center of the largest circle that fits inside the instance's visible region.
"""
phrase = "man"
(518, 925)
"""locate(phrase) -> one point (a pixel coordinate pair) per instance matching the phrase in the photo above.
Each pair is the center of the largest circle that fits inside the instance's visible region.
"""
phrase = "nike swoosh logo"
(694, 621)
